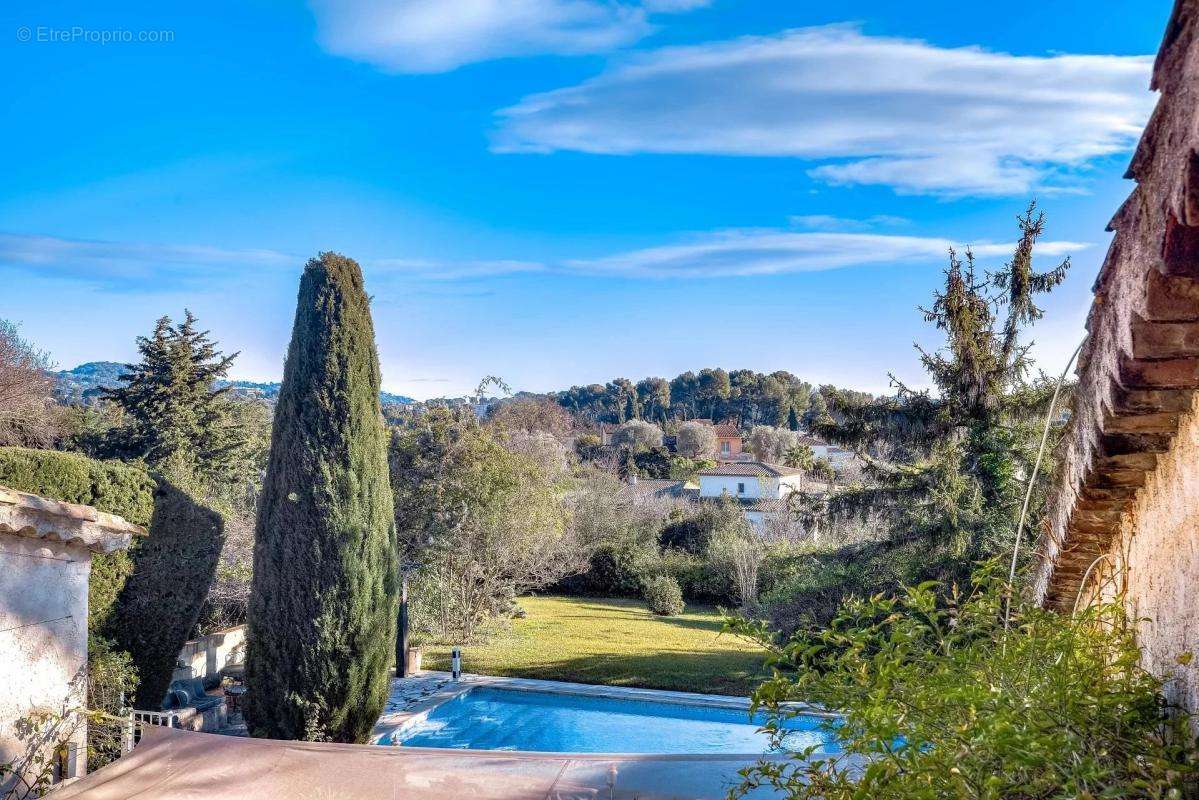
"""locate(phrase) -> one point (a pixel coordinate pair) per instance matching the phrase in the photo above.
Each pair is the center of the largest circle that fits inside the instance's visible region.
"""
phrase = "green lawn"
(614, 642)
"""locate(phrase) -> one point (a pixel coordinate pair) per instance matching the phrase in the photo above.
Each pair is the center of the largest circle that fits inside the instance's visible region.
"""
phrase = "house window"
(741, 488)
(725, 448)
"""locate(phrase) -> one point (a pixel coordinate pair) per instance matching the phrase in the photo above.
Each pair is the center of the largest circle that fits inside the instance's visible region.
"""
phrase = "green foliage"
(805, 589)
(112, 678)
(695, 531)
(686, 469)
(800, 456)
(323, 602)
(175, 418)
(161, 600)
(752, 398)
(142, 603)
(481, 522)
(110, 486)
(587, 446)
(938, 700)
(123, 489)
(701, 578)
(945, 469)
(663, 596)
(615, 569)
(649, 462)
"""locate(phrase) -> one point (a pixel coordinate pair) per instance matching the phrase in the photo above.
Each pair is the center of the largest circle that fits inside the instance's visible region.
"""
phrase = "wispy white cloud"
(828, 222)
(441, 35)
(773, 252)
(451, 270)
(141, 267)
(868, 109)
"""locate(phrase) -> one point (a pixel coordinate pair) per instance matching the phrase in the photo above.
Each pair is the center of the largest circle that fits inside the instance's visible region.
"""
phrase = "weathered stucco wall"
(43, 646)
(1154, 562)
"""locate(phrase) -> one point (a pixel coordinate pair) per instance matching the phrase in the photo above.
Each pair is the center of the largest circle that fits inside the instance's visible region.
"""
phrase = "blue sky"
(557, 191)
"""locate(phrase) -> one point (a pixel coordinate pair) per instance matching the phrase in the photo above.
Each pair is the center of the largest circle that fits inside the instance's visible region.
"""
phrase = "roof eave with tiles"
(34, 517)
(1139, 369)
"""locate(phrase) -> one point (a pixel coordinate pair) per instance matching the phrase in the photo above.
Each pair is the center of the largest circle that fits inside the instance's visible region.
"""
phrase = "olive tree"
(696, 440)
(638, 433)
(478, 523)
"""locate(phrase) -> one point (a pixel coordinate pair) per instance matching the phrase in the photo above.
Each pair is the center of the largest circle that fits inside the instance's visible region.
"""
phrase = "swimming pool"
(486, 718)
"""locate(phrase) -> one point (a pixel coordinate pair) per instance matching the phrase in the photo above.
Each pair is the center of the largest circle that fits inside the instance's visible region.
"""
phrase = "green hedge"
(146, 598)
(106, 485)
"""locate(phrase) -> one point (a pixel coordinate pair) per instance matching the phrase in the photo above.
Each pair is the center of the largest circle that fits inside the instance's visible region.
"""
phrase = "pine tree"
(323, 601)
(175, 418)
(952, 475)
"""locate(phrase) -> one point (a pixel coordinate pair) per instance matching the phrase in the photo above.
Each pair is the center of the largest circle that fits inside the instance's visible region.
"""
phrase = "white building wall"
(43, 637)
(716, 485)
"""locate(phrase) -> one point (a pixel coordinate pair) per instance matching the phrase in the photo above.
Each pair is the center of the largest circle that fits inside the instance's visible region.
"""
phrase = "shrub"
(685, 469)
(650, 462)
(701, 579)
(110, 486)
(615, 569)
(587, 446)
(663, 596)
(941, 700)
(323, 599)
(694, 533)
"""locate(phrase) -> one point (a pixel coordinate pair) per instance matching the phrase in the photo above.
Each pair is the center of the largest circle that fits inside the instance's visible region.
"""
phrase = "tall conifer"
(176, 418)
(322, 607)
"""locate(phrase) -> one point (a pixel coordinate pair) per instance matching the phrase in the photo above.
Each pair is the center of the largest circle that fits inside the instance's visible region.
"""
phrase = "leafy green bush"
(936, 699)
(694, 532)
(701, 578)
(663, 596)
(107, 485)
(805, 589)
(615, 569)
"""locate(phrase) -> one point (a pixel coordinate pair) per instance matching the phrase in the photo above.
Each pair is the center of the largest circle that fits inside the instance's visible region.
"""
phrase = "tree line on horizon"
(747, 398)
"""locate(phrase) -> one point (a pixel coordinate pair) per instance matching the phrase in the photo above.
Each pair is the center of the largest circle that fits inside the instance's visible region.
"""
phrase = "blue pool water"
(500, 719)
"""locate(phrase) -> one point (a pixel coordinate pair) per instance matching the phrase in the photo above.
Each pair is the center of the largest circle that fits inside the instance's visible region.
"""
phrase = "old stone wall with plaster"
(1154, 562)
(43, 635)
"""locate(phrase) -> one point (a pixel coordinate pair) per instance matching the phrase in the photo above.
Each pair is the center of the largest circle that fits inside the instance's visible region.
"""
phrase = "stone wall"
(46, 549)
(1125, 513)
(1154, 563)
(43, 639)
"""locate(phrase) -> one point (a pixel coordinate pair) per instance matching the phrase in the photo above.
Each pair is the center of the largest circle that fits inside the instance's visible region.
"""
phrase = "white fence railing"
(138, 719)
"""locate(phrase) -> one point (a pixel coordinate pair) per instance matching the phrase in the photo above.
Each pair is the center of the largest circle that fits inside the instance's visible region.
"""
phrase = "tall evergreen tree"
(323, 601)
(954, 460)
(175, 417)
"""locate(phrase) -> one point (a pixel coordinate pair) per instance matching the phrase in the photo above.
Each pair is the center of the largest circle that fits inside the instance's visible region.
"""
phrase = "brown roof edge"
(36, 517)
(1139, 369)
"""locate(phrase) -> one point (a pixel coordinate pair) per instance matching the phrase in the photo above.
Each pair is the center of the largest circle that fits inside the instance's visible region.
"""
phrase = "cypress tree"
(323, 600)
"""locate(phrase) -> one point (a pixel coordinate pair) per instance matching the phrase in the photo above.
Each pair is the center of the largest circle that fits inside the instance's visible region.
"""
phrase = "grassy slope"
(614, 642)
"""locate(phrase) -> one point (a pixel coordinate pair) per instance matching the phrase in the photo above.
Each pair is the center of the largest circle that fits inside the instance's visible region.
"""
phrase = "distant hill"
(84, 382)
